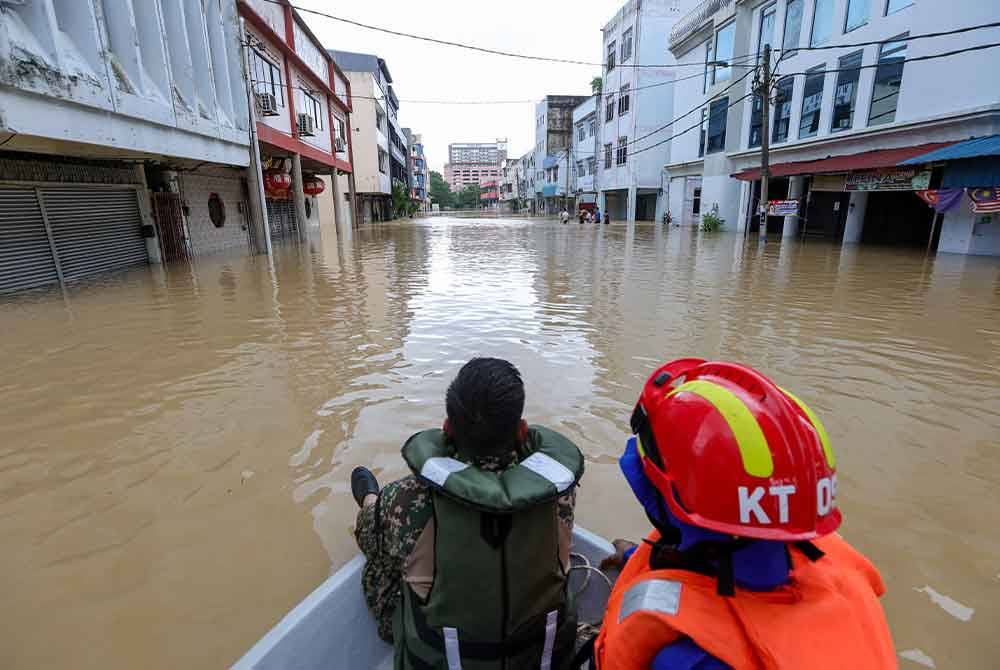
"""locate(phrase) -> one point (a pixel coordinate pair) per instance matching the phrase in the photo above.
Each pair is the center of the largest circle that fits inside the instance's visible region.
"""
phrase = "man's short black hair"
(485, 402)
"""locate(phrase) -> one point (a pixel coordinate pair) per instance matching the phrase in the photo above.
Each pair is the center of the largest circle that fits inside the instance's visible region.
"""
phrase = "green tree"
(468, 197)
(596, 84)
(440, 191)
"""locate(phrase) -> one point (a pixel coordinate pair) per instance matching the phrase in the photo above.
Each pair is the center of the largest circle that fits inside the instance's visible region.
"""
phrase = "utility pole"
(764, 91)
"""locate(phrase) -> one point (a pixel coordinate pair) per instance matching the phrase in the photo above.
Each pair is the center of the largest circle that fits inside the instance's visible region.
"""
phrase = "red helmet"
(732, 452)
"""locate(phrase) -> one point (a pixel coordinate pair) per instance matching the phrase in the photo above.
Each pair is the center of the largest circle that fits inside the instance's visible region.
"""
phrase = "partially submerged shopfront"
(865, 197)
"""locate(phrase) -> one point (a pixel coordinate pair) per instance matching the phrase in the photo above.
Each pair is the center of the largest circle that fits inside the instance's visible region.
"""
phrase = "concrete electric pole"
(764, 92)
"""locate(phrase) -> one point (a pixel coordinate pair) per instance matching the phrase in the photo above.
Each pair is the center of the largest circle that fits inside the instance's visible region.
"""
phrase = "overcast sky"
(424, 71)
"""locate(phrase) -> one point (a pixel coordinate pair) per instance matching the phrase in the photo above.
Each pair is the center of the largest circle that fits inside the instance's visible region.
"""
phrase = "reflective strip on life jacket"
(654, 595)
(438, 468)
(551, 469)
(551, 623)
(451, 650)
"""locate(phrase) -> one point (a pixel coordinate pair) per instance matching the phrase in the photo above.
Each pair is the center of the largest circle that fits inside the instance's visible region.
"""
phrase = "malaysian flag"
(985, 200)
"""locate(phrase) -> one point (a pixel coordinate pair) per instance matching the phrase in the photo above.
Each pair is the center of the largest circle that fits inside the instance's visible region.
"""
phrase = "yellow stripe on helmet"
(824, 439)
(754, 451)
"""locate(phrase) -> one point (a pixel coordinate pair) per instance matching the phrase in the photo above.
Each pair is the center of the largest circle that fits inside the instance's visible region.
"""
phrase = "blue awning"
(550, 162)
(549, 190)
(977, 148)
(972, 172)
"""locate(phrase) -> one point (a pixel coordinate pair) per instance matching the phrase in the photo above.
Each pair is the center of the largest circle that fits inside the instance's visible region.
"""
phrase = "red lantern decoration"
(313, 185)
(277, 182)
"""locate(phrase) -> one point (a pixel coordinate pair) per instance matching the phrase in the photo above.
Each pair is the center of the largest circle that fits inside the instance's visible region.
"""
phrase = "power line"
(472, 47)
(686, 130)
(909, 38)
(893, 61)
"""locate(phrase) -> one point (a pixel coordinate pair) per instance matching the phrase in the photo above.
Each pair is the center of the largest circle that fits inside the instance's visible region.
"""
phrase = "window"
(626, 45)
(266, 76)
(591, 165)
(555, 173)
(621, 153)
(696, 201)
(767, 19)
(822, 28)
(793, 27)
(782, 108)
(888, 79)
(609, 108)
(756, 121)
(379, 119)
(708, 59)
(607, 156)
(581, 132)
(724, 53)
(703, 133)
(812, 101)
(623, 100)
(381, 160)
(611, 56)
(593, 126)
(579, 169)
(341, 130)
(857, 14)
(717, 114)
(846, 93)
(309, 104)
(896, 5)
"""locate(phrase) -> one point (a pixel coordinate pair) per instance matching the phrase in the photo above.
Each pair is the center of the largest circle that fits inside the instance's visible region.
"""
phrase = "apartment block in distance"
(474, 163)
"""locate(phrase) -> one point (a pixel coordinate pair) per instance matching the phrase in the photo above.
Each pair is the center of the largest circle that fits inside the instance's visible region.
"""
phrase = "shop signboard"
(782, 207)
(829, 182)
(889, 179)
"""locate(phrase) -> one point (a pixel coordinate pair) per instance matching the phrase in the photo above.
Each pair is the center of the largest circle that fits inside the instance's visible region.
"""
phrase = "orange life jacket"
(828, 615)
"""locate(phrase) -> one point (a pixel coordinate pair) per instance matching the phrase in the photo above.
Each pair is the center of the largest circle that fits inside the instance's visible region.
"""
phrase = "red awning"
(867, 160)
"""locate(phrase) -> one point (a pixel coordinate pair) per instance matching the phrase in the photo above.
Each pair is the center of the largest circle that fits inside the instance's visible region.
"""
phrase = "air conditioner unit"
(307, 126)
(339, 144)
(267, 104)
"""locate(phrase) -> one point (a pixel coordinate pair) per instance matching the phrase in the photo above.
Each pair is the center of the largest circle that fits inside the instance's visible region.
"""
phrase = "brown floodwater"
(175, 442)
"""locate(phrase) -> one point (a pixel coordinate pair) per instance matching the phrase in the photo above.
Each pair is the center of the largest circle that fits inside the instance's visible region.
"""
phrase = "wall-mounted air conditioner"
(307, 126)
(267, 104)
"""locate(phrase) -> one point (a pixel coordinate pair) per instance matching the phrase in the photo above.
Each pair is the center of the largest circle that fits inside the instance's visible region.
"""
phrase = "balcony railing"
(694, 19)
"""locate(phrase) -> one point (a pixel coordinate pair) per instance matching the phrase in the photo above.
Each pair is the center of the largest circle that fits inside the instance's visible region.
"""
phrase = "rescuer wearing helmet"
(468, 556)
(743, 569)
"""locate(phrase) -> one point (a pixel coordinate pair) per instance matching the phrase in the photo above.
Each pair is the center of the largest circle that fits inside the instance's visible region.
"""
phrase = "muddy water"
(175, 443)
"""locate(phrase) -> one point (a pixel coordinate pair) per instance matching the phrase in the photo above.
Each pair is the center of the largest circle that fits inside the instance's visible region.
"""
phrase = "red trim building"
(302, 109)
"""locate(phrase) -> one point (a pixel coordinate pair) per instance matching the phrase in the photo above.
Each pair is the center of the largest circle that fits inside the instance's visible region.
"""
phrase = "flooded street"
(175, 443)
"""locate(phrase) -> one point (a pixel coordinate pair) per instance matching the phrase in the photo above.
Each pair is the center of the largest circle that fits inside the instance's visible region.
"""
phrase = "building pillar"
(855, 217)
(299, 197)
(338, 214)
(146, 214)
(791, 226)
(630, 204)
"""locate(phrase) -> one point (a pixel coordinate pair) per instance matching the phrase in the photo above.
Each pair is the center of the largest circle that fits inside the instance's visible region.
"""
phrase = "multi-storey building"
(553, 149)
(419, 173)
(473, 163)
(97, 109)
(856, 94)
(377, 157)
(585, 139)
(510, 186)
(489, 194)
(636, 103)
(302, 103)
(526, 182)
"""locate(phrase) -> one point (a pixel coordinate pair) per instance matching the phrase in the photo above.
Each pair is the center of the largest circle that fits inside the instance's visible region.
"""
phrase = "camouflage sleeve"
(565, 506)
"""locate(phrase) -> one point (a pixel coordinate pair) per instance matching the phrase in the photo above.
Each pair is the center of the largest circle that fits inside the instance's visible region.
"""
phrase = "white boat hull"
(332, 627)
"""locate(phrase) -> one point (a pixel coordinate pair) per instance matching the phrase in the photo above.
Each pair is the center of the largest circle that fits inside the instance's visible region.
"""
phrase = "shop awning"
(977, 148)
(867, 160)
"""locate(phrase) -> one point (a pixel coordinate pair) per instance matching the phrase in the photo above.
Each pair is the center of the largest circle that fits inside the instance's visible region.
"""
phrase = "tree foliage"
(441, 192)
(468, 197)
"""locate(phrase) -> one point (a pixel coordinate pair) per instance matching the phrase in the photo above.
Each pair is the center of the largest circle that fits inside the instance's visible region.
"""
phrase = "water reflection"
(175, 442)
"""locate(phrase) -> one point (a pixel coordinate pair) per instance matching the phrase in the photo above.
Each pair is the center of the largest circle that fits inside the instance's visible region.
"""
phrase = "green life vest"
(500, 599)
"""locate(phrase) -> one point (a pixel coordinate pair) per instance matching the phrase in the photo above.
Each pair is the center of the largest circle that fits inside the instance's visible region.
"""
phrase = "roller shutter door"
(281, 217)
(26, 259)
(96, 229)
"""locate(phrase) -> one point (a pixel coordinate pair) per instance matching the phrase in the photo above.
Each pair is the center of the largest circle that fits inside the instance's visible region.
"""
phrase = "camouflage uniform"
(387, 531)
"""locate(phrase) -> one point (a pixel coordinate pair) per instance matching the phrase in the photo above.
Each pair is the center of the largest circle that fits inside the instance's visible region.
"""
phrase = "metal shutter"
(25, 255)
(96, 229)
(281, 217)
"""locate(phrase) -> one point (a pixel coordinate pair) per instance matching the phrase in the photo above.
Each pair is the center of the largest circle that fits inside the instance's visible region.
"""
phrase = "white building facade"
(553, 153)
(849, 106)
(585, 139)
(636, 103)
(103, 105)
(370, 85)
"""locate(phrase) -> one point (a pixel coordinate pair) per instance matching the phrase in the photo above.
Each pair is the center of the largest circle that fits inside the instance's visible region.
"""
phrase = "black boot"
(363, 482)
